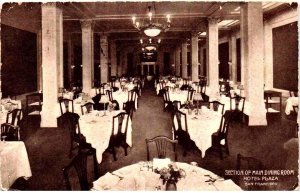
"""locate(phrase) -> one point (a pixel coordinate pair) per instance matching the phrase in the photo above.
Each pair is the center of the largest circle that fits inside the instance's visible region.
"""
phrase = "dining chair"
(113, 85)
(34, 103)
(190, 95)
(129, 108)
(132, 96)
(180, 131)
(237, 104)
(118, 137)
(79, 163)
(295, 107)
(167, 102)
(77, 140)
(219, 138)
(87, 108)
(109, 94)
(163, 145)
(10, 132)
(65, 106)
(216, 106)
(293, 93)
(14, 117)
(244, 163)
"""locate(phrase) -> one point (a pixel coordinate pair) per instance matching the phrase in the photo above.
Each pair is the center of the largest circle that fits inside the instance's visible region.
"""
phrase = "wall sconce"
(72, 66)
(81, 65)
(99, 66)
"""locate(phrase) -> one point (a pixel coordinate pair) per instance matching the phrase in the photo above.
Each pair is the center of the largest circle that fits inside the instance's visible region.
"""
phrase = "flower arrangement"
(111, 106)
(172, 172)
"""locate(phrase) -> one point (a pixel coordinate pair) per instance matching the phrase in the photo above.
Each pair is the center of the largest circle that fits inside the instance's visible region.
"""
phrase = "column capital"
(213, 20)
(52, 4)
(87, 24)
(194, 33)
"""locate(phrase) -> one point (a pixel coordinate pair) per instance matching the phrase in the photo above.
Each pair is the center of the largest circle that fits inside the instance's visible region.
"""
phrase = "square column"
(39, 61)
(52, 52)
(87, 55)
(232, 59)
(0, 52)
(202, 60)
(184, 60)
(113, 58)
(213, 55)
(253, 49)
(194, 56)
(177, 59)
(104, 58)
(70, 59)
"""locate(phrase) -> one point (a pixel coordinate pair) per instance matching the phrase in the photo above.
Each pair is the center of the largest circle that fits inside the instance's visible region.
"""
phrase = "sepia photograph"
(149, 95)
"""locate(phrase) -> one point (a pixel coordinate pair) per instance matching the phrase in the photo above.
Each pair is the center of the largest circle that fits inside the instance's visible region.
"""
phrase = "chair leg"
(114, 153)
(125, 149)
(97, 175)
(220, 152)
(71, 149)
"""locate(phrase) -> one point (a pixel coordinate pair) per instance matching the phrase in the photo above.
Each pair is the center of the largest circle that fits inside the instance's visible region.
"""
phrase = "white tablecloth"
(135, 179)
(122, 97)
(97, 130)
(290, 102)
(179, 96)
(201, 127)
(14, 163)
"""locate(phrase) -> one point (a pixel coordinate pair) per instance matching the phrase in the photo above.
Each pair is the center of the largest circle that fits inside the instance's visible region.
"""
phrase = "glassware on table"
(194, 164)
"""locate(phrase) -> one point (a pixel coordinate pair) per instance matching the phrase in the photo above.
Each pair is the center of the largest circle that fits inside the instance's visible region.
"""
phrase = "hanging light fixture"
(150, 28)
(150, 45)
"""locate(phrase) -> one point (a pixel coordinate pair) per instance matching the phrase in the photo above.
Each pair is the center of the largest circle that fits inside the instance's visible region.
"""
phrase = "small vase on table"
(171, 185)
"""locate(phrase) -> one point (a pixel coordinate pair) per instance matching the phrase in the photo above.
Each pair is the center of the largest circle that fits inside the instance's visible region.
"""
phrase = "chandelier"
(150, 28)
(151, 45)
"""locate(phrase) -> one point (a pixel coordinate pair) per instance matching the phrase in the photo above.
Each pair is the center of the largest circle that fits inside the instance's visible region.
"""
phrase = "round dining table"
(140, 176)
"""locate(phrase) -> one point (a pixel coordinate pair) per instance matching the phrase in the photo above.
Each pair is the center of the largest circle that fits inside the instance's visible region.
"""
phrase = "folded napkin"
(161, 163)
(106, 182)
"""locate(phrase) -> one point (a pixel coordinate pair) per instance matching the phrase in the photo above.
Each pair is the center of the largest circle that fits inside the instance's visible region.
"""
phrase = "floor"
(48, 147)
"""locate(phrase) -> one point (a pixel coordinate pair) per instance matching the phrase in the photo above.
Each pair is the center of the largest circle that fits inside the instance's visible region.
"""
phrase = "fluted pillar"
(87, 54)
(194, 56)
(0, 52)
(104, 58)
(213, 55)
(52, 54)
(253, 49)
(184, 65)
(39, 61)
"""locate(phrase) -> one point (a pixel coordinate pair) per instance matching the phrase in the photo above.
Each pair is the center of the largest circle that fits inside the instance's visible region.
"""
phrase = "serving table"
(14, 163)
(97, 129)
(134, 177)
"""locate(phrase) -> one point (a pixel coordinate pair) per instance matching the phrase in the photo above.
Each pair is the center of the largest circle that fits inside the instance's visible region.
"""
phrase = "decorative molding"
(213, 20)
(87, 24)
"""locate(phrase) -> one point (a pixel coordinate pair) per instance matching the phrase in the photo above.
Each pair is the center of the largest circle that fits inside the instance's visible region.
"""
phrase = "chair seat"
(34, 113)
(270, 101)
(35, 104)
(271, 110)
(217, 139)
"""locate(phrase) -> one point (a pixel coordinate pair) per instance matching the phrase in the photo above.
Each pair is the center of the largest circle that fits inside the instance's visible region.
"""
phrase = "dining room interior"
(150, 95)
